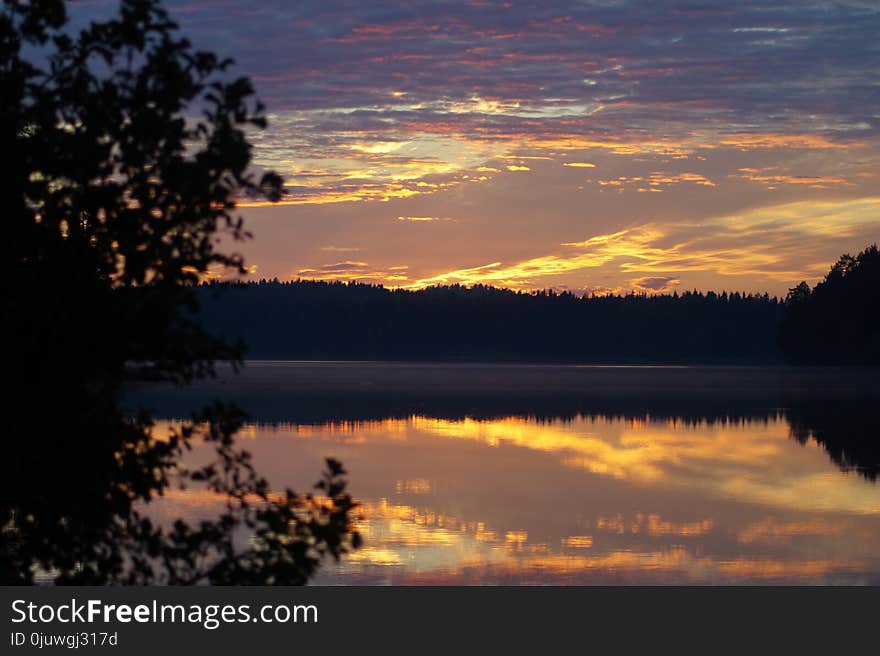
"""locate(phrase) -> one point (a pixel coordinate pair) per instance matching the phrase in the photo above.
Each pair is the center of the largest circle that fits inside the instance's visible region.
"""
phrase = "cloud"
(655, 284)
(367, 96)
(354, 271)
(423, 219)
(689, 112)
(771, 178)
(655, 181)
(780, 243)
(341, 266)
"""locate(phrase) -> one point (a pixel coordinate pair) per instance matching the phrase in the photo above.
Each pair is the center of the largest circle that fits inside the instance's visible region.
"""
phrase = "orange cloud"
(767, 242)
(656, 181)
(655, 285)
(350, 270)
(775, 180)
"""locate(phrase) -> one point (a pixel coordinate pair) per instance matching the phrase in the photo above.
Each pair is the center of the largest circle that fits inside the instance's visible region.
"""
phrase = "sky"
(596, 146)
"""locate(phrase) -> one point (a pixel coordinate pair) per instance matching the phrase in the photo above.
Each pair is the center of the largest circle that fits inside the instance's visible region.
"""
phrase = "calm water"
(565, 475)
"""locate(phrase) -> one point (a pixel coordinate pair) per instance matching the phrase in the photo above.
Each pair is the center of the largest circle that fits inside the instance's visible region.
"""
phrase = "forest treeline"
(335, 320)
(835, 323)
(838, 321)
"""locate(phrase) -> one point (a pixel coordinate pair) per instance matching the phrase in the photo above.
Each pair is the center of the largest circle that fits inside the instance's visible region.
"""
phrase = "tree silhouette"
(321, 320)
(837, 322)
(125, 149)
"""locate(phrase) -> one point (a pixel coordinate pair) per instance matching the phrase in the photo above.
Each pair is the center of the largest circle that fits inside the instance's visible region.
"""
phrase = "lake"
(530, 474)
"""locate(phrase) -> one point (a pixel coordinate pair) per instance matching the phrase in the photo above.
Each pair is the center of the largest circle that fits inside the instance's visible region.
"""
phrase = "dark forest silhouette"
(838, 321)
(331, 320)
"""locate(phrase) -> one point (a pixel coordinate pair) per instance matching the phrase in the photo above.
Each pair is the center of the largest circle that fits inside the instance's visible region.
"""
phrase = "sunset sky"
(595, 146)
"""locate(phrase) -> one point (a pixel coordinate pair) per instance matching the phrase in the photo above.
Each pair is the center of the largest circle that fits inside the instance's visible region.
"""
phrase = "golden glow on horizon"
(751, 236)
(772, 243)
(461, 164)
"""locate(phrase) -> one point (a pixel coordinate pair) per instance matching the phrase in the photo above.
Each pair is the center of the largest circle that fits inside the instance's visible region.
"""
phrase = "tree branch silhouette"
(127, 149)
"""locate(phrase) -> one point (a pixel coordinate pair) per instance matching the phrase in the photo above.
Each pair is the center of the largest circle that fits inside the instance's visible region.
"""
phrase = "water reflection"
(750, 483)
(848, 429)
